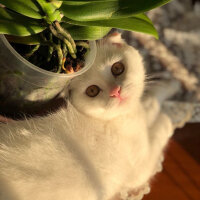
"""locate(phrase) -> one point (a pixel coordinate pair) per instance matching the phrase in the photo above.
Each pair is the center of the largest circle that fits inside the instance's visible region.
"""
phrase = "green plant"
(57, 24)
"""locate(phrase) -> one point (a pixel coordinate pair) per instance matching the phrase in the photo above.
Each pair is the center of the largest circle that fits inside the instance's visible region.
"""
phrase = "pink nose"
(115, 92)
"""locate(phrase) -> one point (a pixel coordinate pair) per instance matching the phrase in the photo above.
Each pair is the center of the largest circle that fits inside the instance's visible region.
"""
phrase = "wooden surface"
(180, 178)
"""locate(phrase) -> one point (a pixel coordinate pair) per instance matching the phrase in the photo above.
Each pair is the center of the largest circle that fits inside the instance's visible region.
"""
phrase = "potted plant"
(45, 43)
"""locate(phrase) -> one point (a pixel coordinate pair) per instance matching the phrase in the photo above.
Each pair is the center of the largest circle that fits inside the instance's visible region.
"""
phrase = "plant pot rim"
(90, 60)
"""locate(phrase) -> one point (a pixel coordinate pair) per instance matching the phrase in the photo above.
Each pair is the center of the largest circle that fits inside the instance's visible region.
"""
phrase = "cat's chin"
(118, 108)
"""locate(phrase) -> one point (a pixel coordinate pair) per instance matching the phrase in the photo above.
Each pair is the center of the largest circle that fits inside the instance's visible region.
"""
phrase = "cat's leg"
(160, 132)
(155, 96)
(165, 89)
(159, 135)
(152, 109)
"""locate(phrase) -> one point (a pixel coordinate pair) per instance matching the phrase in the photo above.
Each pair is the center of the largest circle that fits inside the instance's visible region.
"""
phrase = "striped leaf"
(28, 8)
(138, 23)
(101, 10)
(14, 24)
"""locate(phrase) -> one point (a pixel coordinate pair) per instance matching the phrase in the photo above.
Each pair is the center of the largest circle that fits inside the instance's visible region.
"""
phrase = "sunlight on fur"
(108, 141)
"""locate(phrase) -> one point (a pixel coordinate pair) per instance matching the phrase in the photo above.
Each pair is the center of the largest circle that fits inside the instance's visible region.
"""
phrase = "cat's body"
(89, 150)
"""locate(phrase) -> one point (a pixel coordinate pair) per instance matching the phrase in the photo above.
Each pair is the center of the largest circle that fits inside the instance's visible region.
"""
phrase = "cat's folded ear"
(114, 38)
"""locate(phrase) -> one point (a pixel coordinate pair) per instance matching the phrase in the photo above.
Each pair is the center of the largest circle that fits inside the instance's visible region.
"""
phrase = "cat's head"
(113, 85)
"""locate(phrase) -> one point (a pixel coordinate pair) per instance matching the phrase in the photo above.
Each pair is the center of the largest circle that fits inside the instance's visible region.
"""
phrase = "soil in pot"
(47, 60)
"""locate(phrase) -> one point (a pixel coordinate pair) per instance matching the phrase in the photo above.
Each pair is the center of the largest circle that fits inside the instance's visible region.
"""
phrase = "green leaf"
(50, 10)
(89, 11)
(29, 40)
(87, 0)
(14, 24)
(129, 7)
(76, 3)
(102, 10)
(77, 32)
(138, 23)
(82, 2)
(25, 7)
(86, 32)
(56, 4)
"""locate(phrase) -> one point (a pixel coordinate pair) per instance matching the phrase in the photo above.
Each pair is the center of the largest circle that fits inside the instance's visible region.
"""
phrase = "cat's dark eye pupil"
(117, 68)
(92, 91)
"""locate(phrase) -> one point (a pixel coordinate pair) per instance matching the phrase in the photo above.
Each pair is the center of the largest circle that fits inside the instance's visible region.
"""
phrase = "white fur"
(93, 149)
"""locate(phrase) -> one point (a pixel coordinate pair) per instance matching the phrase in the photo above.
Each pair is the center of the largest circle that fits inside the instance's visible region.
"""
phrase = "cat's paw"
(167, 126)
(152, 108)
(161, 131)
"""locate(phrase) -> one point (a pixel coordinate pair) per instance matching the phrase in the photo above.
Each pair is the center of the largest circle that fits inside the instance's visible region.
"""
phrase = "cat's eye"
(93, 91)
(117, 68)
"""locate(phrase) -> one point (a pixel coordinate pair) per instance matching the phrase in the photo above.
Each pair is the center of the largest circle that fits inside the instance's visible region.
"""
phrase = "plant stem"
(63, 64)
(60, 57)
(61, 37)
(83, 44)
(28, 55)
(71, 51)
(65, 51)
(66, 34)
(53, 46)
(51, 49)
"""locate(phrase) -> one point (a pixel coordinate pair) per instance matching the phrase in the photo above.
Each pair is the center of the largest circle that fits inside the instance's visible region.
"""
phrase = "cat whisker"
(152, 83)
(130, 86)
(157, 76)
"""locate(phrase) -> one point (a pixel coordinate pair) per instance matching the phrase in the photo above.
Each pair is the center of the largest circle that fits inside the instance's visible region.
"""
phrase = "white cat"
(105, 142)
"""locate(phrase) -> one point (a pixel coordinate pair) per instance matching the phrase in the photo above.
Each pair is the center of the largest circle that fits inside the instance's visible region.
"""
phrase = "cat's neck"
(132, 112)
